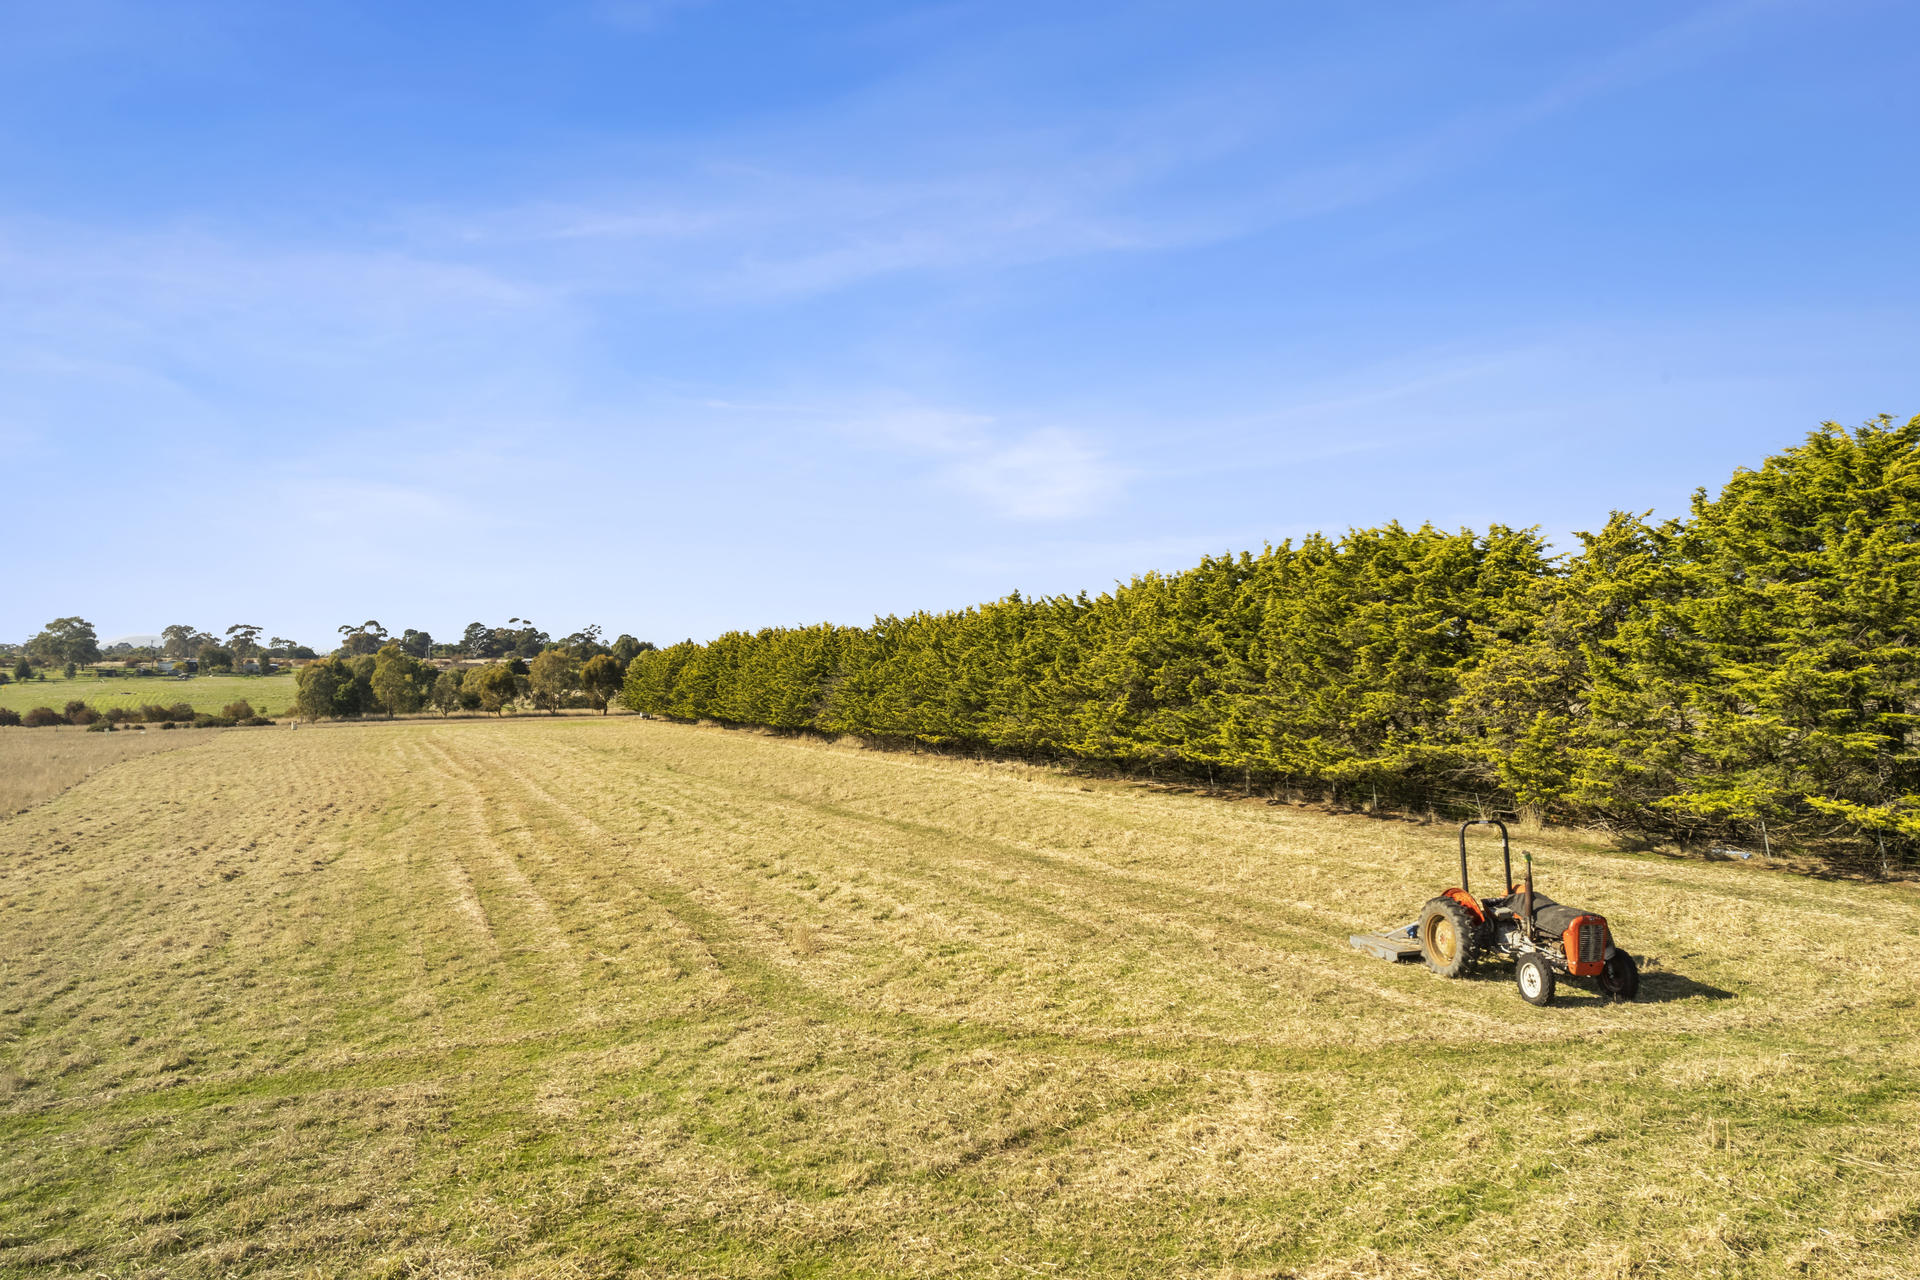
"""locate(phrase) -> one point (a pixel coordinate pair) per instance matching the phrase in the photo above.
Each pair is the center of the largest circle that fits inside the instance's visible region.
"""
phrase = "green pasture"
(202, 693)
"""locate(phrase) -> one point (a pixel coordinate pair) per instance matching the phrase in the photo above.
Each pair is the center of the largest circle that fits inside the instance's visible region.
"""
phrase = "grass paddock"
(38, 764)
(607, 997)
(202, 693)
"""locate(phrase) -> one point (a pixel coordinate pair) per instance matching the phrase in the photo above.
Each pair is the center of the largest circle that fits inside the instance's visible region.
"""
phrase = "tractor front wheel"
(1620, 979)
(1534, 976)
(1447, 937)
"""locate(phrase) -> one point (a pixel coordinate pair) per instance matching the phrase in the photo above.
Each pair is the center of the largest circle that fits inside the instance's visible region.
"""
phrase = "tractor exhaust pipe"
(1527, 907)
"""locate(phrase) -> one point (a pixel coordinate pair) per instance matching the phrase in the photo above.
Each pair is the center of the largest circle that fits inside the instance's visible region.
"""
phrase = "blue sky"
(679, 317)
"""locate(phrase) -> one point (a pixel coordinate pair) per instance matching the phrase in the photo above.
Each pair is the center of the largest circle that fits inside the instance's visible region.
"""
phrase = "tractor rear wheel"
(1620, 979)
(1534, 976)
(1448, 938)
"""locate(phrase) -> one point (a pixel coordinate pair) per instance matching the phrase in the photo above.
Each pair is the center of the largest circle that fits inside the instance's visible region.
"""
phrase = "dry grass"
(612, 997)
(38, 764)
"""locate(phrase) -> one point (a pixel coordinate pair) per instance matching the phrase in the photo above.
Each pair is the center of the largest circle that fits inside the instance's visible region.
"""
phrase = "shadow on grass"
(1662, 986)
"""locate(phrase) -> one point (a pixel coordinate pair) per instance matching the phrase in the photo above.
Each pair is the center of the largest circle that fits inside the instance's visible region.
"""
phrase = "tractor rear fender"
(1466, 900)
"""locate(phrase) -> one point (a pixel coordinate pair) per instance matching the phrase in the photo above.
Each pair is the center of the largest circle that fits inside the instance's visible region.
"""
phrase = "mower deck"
(1393, 946)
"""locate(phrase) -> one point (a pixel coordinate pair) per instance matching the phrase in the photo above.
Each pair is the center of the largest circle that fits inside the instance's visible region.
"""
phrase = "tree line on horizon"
(577, 671)
(1749, 671)
(73, 643)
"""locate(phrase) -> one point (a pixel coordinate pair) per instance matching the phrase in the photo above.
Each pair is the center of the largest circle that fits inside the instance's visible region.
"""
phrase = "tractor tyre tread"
(1449, 938)
(1620, 978)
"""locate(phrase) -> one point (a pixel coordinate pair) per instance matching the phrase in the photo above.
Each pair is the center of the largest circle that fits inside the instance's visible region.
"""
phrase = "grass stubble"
(38, 764)
(613, 997)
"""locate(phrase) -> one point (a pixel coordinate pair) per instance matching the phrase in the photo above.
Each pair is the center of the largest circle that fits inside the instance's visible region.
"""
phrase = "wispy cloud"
(887, 287)
(187, 331)
(1050, 474)
(763, 214)
(1015, 472)
(197, 271)
(737, 233)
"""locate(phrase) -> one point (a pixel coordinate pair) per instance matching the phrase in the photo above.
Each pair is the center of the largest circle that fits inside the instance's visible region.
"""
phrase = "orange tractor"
(1543, 938)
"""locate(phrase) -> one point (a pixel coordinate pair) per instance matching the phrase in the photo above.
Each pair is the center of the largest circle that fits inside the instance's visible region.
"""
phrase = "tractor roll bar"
(1506, 852)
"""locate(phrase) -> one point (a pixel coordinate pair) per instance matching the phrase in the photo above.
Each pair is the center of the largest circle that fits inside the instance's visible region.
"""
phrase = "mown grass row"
(616, 996)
